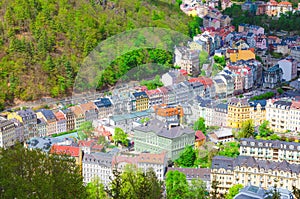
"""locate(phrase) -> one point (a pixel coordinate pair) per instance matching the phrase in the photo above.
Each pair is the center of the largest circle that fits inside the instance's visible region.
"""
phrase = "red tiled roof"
(98, 147)
(59, 115)
(199, 135)
(83, 143)
(285, 3)
(65, 150)
(183, 72)
(295, 105)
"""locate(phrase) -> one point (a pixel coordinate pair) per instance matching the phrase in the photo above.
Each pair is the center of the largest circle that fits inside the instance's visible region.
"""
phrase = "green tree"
(120, 136)
(296, 192)
(229, 149)
(247, 129)
(233, 191)
(280, 91)
(86, 129)
(264, 129)
(215, 189)
(203, 57)
(187, 157)
(200, 125)
(95, 189)
(176, 185)
(220, 60)
(197, 190)
(135, 184)
(28, 173)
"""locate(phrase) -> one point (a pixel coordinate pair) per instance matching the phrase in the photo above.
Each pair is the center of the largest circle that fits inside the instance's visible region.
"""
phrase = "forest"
(43, 42)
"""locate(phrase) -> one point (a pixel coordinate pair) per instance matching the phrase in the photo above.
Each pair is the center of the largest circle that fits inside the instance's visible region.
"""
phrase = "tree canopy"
(233, 191)
(187, 157)
(247, 129)
(135, 184)
(200, 125)
(28, 173)
(120, 136)
(229, 149)
(47, 40)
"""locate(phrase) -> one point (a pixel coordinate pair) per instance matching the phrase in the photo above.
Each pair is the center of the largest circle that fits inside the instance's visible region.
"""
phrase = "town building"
(41, 127)
(258, 111)
(222, 135)
(140, 101)
(155, 97)
(172, 77)
(104, 106)
(125, 121)
(70, 119)
(28, 118)
(156, 137)
(242, 55)
(273, 150)
(50, 119)
(187, 60)
(7, 133)
(200, 139)
(283, 115)
(98, 165)
(247, 170)
(272, 77)
(79, 116)
(238, 112)
(169, 113)
(72, 151)
(251, 191)
(61, 122)
(89, 110)
(295, 53)
(289, 68)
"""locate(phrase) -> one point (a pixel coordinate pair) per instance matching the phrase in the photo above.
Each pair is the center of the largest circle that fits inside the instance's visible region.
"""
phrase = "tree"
(95, 189)
(247, 129)
(187, 157)
(101, 139)
(203, 57)
(220, 60)
(197, 190)
(134, 184)
(176, 185)
(85, 130)
(233, 191)
(200, 125)
(120, 136)
(229, 149)
(214, 189)
(264, 129)
(296, 192)
(28, 173)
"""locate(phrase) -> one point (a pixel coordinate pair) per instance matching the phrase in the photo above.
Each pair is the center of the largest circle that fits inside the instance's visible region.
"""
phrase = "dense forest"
(43, 42)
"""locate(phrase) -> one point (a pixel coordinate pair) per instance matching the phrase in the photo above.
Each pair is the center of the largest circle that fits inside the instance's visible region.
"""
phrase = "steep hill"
(42, 42)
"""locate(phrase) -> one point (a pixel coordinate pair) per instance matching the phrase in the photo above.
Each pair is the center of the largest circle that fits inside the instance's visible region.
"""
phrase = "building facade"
(238, 112)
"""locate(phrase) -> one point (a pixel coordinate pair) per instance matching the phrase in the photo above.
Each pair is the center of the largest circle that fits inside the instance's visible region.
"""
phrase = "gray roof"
(100, 158)
(161, 129)
(251, 192)
(42, 143)
(275, 144)
(248, 161)
(193, 173)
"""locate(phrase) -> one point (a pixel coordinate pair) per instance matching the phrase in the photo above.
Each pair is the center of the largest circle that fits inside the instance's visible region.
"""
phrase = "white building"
(98, 165)
(289, 68)
(7, 133)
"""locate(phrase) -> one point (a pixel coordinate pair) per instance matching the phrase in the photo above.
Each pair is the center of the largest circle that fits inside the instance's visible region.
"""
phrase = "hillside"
(43, 42)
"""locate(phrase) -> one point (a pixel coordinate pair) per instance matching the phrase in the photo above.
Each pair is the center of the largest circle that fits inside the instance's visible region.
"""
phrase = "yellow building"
(199, 139)
(141, 101)
(238, 112)
(242, 55)
(258, 111)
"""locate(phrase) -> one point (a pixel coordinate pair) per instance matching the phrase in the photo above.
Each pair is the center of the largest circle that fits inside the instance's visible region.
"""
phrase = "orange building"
(169, 113)
(199, 139)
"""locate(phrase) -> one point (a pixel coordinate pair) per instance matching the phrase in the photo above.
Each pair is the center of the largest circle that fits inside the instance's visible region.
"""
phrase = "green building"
(157, 136)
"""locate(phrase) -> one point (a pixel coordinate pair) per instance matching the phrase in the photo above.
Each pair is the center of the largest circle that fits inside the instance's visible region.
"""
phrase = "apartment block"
(272, 150)
(247, 170)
